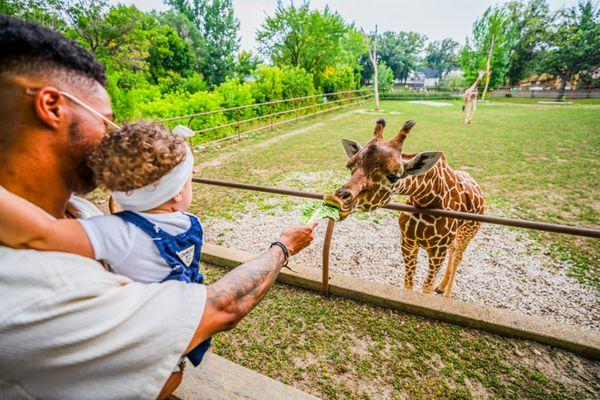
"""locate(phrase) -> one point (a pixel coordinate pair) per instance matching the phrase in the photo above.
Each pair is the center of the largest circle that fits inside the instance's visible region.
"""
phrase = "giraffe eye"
(393, 178)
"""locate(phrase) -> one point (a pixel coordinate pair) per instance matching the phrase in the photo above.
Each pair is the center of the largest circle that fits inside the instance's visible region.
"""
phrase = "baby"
(148, 171)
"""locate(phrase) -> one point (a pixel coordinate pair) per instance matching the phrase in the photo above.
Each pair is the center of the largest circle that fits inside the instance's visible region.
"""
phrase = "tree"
(246, 63)
(401, 51)
(47, 12)
(442, 57)
(527, 28)
(490, 40)
(170, 53)
(313, 40)
(572, 46)
(215, 21)
(186, 29)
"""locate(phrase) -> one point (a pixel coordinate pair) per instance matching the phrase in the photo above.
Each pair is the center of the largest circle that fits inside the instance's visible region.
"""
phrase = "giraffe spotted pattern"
(380, 170)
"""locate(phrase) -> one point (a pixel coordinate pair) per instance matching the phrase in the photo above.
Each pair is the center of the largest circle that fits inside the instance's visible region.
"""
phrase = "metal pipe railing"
(257, 105)
(291, 110)
(519, 223)
(285, 121)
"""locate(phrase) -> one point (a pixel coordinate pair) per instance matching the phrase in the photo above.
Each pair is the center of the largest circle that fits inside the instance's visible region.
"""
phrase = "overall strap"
(148, 227)
(195, 225)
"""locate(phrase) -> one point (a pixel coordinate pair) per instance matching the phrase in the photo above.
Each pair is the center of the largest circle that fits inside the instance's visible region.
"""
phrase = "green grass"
(538, 162)
(337, 348)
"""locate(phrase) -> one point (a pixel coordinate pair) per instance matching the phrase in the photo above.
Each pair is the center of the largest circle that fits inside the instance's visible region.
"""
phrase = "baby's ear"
(178, 197)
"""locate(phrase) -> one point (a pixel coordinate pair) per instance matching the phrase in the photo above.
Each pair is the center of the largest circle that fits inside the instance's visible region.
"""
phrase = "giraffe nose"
(344, 194)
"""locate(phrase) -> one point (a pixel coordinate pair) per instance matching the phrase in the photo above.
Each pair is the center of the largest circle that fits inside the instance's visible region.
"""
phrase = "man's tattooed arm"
(240, 290)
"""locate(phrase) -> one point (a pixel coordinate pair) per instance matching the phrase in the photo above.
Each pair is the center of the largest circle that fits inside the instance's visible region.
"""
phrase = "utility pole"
(373, 57)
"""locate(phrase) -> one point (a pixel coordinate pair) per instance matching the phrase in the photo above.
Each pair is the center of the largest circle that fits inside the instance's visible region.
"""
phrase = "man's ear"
(421, 163)
(48, 106)
(350, 147)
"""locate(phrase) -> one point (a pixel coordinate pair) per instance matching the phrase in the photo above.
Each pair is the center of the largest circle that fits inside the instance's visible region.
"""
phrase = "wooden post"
(271, 114)
(326, 248)
(238, 127)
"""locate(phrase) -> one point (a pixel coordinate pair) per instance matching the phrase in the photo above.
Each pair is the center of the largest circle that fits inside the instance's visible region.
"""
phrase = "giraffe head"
(377, 170)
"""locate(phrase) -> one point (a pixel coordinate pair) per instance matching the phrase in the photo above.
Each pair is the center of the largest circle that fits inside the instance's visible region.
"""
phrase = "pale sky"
(435, 18)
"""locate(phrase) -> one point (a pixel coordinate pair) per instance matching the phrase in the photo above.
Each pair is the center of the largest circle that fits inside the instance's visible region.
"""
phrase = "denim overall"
(181, 253)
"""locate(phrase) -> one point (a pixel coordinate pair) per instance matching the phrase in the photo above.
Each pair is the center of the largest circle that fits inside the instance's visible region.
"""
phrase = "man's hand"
(296, 238)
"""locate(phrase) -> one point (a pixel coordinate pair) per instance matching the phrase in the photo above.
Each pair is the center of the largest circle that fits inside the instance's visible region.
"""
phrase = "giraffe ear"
(350, 147)
(421, 163)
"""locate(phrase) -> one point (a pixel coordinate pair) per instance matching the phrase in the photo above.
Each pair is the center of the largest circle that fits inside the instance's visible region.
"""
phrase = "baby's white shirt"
(130, 251)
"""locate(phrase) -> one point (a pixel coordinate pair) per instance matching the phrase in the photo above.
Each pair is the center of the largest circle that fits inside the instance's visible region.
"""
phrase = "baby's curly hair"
(136, 155)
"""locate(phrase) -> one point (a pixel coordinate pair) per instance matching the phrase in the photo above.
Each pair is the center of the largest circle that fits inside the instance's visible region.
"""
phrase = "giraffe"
(470, 105)
(380, 170)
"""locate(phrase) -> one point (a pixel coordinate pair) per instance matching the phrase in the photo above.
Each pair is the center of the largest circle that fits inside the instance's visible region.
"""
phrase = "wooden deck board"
(219, 379)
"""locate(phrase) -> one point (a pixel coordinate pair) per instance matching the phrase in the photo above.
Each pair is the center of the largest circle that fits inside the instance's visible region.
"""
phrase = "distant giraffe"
(470, 105)
(380, 170)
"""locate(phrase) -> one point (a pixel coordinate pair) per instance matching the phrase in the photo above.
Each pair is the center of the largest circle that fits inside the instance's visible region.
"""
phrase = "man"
(68, 328)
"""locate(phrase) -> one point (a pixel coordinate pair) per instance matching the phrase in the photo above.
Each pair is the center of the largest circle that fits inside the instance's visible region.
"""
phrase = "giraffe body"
(445, 188)
(470, 97)
(380, 171)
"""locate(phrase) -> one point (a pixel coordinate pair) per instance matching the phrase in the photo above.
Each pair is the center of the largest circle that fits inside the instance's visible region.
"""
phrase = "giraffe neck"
(427, 190)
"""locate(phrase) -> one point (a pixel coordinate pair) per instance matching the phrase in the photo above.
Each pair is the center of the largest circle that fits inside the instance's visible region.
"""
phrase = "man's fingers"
(313, 225)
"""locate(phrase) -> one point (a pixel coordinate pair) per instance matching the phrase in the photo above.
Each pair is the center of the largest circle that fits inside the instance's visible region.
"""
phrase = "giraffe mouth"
(334, 201)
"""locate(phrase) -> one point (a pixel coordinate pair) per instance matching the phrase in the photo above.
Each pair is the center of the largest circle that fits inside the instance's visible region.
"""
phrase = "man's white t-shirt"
(71, 330)
(130, 251)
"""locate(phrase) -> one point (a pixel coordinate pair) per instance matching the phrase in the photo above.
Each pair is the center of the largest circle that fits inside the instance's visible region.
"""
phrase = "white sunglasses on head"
(77, 101)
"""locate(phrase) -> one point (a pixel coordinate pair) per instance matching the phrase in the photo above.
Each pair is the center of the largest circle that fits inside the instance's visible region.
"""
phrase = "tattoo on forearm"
(248, 283)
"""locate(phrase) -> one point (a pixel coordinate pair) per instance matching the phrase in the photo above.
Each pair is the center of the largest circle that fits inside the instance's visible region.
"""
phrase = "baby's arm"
(25, 226)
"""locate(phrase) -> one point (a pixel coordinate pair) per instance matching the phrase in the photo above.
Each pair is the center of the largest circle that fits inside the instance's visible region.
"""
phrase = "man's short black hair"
(27, 47)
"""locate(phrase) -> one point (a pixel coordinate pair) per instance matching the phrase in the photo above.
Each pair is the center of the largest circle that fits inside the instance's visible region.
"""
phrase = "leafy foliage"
(573, 43)
(527, 29)
(401, 52)
(215, 22)
(442, 57)
(385, 77)
(313, 40)
(489, 31)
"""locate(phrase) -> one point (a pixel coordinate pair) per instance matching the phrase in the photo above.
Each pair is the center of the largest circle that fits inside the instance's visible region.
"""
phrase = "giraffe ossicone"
(380, 170)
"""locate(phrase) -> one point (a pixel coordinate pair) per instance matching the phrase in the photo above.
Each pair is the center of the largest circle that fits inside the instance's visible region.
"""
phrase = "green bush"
(297, 82)
(338, 79)
(134, 96)
(236, 94)
(268, 85)
(385, 78)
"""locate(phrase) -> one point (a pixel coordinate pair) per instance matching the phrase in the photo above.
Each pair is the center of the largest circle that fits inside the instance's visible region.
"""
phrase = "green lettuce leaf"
(315, 211)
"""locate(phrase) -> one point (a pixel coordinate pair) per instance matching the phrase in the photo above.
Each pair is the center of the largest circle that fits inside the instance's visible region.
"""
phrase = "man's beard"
(84, 179)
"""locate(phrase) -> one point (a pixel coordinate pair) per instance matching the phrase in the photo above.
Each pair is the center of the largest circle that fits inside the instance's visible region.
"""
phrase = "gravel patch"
(501, 268)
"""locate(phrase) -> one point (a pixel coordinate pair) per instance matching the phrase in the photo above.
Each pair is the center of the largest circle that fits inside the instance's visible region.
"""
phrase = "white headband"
(157, 193)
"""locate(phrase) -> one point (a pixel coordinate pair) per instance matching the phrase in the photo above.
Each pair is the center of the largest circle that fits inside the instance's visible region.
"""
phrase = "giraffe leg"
(463, 237)
(451, 253)
(409, 253)
(436, 259)
(469, 112)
